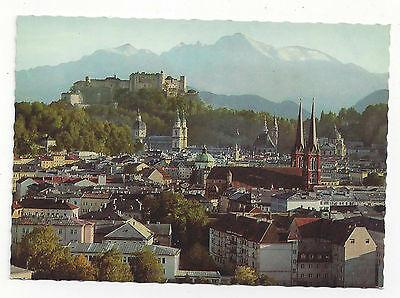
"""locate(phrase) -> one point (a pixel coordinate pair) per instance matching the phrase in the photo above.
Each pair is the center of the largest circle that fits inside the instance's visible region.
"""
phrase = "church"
(304, 171)
(267, 140)
(177, 141)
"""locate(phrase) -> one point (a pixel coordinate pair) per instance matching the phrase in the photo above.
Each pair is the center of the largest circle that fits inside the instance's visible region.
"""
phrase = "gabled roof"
(247, 227)
(160, 229)
(300, 221)
(335, 231)
(132, 230)
(125, 248)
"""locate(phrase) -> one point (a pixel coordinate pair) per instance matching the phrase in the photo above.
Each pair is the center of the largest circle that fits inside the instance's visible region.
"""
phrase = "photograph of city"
(199, 152)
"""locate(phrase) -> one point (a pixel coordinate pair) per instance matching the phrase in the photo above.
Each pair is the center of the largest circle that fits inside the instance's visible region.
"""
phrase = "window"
(309, 265)
(302, 266)
(352, 240)
(367, 241)
(301, 275)
(310, 275)
(163, 260)
(318, 275)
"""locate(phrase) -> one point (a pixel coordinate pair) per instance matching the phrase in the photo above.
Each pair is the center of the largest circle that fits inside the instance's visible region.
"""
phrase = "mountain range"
(233, 65)
(379, 96)
(286, 109)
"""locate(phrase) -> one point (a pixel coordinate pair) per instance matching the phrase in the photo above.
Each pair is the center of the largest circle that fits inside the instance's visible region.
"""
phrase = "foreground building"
(167, 256)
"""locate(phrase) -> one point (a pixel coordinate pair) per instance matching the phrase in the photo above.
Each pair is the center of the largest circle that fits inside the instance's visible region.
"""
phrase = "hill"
(379, 96)
(234, 64)
(286, 109)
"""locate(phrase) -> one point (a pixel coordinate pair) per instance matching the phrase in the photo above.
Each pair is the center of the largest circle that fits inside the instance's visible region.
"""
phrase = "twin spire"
(180, 121)
(312, 144)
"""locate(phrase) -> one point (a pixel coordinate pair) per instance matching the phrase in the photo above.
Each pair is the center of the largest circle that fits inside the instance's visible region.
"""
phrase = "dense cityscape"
(161, 208)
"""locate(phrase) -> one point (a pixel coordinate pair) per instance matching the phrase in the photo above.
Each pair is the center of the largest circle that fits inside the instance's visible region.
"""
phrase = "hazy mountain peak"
(298, 53)
(240, 41)
(126, 50)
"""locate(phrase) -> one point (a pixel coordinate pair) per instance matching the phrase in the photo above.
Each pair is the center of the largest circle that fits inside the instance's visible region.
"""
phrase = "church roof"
(204, 157)
(266, 177)
(263, 141)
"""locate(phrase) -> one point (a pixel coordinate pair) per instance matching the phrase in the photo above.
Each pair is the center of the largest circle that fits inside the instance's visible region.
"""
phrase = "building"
(306, 156)
(245, 241)
(68, 230)
(130, 231)
(332, 253)
(167, 84)
(292, 200)
(93, 201)
(74, 97)
(179, 133)
(139, 128)
(267, 140)
(103, 89)
(162, 233)
(48, 208)
(167, 256)
(333, 147)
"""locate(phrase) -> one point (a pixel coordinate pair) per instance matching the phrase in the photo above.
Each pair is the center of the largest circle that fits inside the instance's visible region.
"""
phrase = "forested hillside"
(106, 127)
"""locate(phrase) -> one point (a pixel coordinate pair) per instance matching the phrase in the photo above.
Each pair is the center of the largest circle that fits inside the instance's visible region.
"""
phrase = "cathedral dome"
(204, 159)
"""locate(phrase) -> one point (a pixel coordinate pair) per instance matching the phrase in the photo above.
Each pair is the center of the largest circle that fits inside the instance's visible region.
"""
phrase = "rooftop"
(124, 248)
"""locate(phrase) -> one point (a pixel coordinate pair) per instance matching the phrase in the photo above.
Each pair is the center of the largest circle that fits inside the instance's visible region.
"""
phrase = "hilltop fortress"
(139, 80)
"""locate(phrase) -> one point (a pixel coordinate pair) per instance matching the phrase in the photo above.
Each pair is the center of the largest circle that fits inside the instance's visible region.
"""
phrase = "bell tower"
(312, 158)
(177, 133)
(298, 150)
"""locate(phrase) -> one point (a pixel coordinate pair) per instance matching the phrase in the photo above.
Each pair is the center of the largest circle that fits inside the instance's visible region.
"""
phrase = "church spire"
(177, 119)
(312, 135)
(299, 144)
(265, 124)
(183, 119)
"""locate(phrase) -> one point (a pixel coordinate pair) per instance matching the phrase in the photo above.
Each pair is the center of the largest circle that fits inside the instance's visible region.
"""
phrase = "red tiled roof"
(267, 177)
(300, 221)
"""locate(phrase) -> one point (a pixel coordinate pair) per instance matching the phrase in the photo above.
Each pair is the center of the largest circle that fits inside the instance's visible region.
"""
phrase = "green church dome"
(204, 157)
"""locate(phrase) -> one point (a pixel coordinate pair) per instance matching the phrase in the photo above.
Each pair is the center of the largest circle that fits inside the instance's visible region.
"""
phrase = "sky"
(44, 40)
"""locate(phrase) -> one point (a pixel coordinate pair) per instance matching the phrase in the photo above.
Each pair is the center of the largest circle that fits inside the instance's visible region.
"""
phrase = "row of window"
(315, 265)
(354, 241)
(312, 276)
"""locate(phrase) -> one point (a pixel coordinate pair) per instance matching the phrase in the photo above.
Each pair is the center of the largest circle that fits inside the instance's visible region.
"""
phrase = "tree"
(41, 252)
(188, 218)
(110, 267)
(265, 280)
(245, 276)
(146, 267)
(197, 258)
(83, 269)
